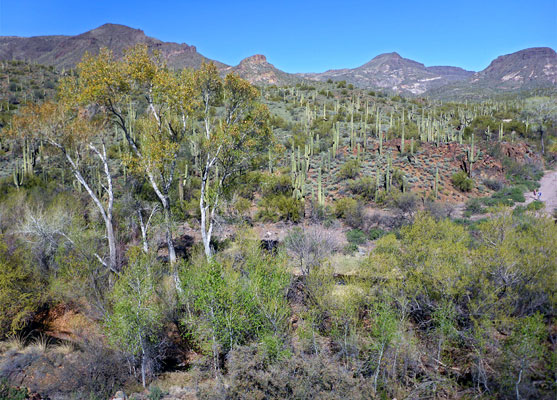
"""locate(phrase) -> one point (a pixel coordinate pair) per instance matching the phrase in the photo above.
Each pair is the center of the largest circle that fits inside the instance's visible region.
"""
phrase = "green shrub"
(376, 233)
(280, 208)
(356, 236)
(20, 291)
(8, 392)
(474, 206)
(462, 182)
(349, 170)
(364, 187)
(535, 206)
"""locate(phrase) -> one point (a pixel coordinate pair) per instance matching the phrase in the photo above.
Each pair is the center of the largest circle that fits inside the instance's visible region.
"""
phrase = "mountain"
(394, 73)
(258, 71)
(533, 68)
(66, 51)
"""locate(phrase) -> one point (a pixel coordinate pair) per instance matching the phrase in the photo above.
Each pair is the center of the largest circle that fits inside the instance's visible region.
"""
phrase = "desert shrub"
(20, 290)
(518, 173)
(376, 233)
(137, 318)
(475, 205)
(349, 170)
(364, 187)
(506, 196)
(9, 392)
(277, 185)
(535, 206)
(407, 203)
(298, 377)
(493, 184)
(351, 211)
(356, 236)
(438, 210)
(310, 246)
(462, 182)
(280, 208)
(232, 305)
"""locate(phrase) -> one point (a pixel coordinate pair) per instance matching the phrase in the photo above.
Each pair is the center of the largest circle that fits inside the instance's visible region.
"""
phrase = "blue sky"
(309, 36)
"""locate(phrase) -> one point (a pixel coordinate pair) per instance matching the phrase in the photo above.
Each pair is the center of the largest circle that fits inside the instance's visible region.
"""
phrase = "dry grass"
(14, 342)
(40, 344)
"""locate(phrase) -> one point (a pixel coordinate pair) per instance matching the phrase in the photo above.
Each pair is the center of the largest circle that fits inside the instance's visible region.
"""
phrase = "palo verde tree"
(81, 138)
(119, 88)
(235, 130)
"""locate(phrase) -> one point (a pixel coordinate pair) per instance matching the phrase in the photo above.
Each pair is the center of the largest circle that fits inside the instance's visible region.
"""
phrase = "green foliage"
(364, 187)
(356, 236)
(350, 210)
(137, 316)
(280, 208)
(20, 290)
(376, 233)
(462, 182)
(535, 206)
(349, 170)
(8, 392)
(231, 308)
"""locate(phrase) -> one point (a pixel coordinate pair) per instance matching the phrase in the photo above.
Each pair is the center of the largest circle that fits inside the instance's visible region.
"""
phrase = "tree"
(137, 317)
(118, 88)
(235, 129)
(80, 138)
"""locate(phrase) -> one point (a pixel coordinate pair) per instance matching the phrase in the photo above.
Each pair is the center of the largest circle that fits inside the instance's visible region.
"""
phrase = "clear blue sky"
(309, 36)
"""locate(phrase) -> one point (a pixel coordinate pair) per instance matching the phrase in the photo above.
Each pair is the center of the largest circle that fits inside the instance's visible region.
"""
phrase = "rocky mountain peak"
(255, 59)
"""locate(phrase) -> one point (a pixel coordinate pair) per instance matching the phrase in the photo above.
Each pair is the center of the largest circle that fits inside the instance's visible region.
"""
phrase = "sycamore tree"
(140, 82)
(234, 131)
(81, 139)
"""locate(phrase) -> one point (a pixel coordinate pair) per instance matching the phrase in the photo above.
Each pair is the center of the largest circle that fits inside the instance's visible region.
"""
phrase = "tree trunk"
(111, 243)
(205, 234)
(169, 241)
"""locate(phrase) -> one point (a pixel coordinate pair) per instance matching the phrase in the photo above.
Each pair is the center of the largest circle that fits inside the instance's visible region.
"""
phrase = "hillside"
(394, 73)
(533, 68)
(258, 71)
(66, 51)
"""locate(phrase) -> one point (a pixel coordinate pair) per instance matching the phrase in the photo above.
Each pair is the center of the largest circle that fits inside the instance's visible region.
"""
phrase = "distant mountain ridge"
(66, 51)
(532, 68)
(390, 72)
(394, 73)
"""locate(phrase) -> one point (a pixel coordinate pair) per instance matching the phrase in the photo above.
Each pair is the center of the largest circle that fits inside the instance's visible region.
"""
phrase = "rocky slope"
(67, 51)
(258, 71)
(526, 69)
(391, 72)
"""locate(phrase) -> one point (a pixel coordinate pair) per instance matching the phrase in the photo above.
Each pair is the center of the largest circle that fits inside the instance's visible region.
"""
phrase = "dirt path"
(548, 188)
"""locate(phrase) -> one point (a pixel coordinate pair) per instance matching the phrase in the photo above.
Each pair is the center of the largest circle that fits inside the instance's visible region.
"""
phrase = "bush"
(376, 233)
(439, 210)
(8, 392)
(356, 236)
(20, 291)
(535, 206)
(349, 170)
(351, 211)
(364, 187)
(297, 377)
(493, 184)
(280, 208)
(462, 182)
(406, 202)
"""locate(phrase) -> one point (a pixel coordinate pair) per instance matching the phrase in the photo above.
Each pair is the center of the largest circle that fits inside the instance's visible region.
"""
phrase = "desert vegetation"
(184, 232)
